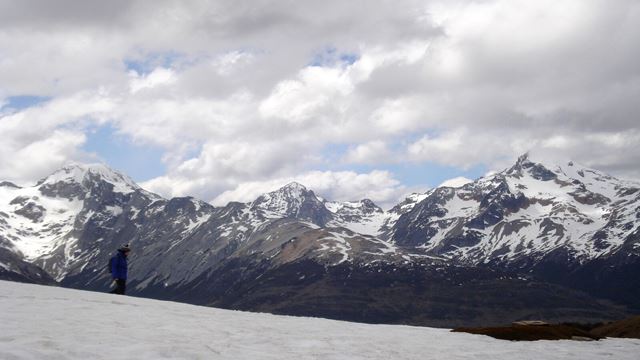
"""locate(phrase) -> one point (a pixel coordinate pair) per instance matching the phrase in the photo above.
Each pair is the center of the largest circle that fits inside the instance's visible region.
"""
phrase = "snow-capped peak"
(76, 173)
(293, 186)
(526, 167)
(565, 174)
(544, 169)
(293, 191)
(524, 158)
(286, 201)
(456, 182)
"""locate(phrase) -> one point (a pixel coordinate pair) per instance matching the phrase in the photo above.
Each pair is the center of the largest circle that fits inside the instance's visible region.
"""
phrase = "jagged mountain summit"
(526, 211)
(83, 178)
(564, 233)
(292, 201)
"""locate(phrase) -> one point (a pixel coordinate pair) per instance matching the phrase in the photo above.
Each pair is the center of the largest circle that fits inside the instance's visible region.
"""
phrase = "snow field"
(39, 322)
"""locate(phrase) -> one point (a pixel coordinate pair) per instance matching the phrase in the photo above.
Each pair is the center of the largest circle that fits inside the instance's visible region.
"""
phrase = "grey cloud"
(66, 13)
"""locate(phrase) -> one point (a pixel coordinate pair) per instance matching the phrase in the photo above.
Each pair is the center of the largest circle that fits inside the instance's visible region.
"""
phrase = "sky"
(225, 100)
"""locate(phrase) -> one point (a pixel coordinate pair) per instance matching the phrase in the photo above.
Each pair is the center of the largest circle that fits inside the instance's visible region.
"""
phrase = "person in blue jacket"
(118, 267)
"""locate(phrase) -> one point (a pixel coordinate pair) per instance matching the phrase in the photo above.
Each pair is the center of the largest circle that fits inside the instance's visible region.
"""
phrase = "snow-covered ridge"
(527, 210)
(77, 173)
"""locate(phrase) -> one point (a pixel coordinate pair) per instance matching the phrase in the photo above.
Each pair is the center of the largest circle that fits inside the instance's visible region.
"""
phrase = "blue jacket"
(119, 266)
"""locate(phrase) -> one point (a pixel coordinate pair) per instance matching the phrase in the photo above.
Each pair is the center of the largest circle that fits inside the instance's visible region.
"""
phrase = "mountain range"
(536, 240)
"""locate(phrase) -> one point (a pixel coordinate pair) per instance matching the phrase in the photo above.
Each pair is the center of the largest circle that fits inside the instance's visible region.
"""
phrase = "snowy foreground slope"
(54, 323)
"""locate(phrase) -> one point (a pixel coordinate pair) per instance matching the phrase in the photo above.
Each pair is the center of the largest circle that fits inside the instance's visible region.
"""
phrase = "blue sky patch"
(147, 64)
(421, 175)
(432, 174)
(330, 57)
(21, 102)
(349, 58)
(411, 174)
(140, 162)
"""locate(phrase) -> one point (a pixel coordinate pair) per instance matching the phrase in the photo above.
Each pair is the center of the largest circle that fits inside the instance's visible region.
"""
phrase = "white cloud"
(456, 148)
(369, 153)
(41, 156)
(158, 77)
(399, 115)
(230, 63)
(40, 139)
(313, 96)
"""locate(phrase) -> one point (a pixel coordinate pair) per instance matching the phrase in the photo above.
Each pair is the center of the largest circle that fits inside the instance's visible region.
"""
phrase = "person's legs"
(121, 286)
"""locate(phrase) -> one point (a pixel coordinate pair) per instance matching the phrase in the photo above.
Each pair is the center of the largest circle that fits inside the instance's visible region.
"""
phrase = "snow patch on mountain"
(36, 224)
(194, 224)
(336, 242)
(456, 182)
(367, 225)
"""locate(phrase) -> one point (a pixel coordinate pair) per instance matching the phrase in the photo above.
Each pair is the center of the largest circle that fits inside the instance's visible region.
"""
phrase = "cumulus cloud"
(41, 155)
(40, 139)
(372, 152)
(459, 147)
(159, 77)
(243, 96)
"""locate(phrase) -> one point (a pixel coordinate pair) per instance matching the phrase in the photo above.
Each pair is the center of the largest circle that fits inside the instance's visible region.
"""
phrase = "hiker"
(118, 267)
